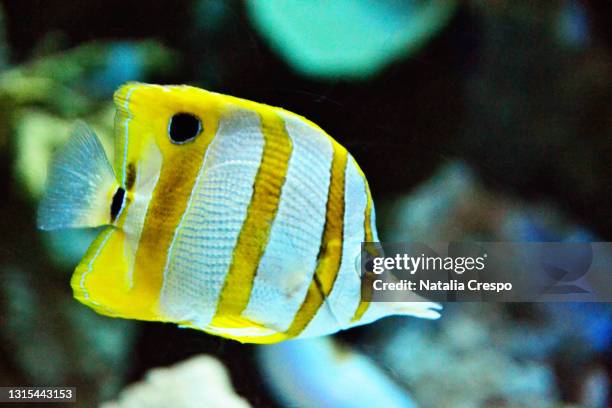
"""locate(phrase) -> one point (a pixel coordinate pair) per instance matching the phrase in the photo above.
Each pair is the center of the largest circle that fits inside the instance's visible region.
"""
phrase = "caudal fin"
(80, 186)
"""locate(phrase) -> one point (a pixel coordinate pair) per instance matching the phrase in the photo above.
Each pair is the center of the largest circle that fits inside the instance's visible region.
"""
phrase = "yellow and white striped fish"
(224, 215)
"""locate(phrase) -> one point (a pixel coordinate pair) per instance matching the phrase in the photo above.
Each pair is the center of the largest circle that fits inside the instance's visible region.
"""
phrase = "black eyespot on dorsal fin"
(117, 203)
(184, 127)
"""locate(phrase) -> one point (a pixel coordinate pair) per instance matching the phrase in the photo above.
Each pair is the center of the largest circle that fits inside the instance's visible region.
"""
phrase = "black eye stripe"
(184, 127)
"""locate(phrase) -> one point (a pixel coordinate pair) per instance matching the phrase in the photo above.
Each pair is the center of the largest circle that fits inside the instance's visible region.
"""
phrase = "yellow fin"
(243, 330)
(102, 280)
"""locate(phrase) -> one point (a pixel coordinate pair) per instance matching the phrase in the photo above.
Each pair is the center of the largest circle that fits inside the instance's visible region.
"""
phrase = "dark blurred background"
(471, 119)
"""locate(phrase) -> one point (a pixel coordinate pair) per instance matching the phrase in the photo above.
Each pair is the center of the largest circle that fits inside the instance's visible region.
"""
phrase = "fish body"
(222, 214)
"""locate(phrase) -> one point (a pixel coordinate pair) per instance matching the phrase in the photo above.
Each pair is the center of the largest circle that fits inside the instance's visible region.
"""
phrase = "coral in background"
(200, 381)
(463, 357)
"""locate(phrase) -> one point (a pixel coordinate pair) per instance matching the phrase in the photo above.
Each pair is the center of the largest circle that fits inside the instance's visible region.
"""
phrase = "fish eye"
(184, 127)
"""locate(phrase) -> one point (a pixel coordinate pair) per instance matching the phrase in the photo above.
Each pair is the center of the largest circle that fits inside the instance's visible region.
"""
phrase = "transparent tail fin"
(80, 186)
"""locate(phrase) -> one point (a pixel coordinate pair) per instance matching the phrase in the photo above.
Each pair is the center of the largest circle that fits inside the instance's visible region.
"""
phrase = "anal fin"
(102, 280)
